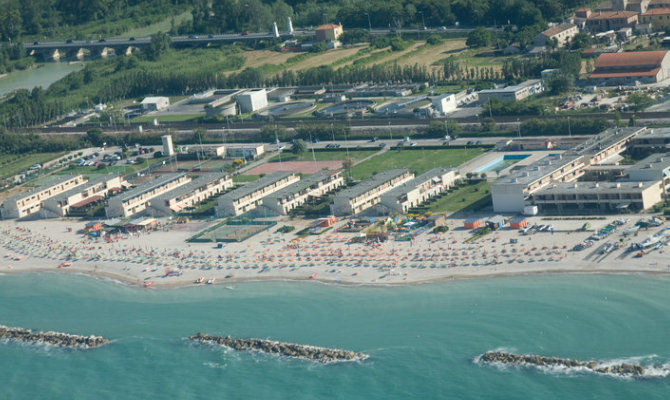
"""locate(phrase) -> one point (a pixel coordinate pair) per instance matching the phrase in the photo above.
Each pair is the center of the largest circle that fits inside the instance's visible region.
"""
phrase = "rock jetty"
(313, 353)
(54, 338)
(623, 369)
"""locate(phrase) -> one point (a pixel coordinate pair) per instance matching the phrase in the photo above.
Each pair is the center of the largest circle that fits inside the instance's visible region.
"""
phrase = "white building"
(314, 186)
(245, 151)
(252, 100)
(155, 103)
(206, 151)
(80, 196)
(516, 92)
(445, 103)
(190, 194)
(656, 167)
(24, 204)
(417, 191)
(368, 193)
(168, 148)
(250, 196)
(137, 199)
(561, 33)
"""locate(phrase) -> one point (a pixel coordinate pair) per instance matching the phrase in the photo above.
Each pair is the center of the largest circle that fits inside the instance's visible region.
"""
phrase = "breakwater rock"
(313, 353)
(54, 338)
(621, 369)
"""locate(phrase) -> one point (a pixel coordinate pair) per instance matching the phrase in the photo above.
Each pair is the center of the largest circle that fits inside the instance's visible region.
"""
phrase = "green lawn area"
(324, 155)
(167, 118)
(416, 160)
(116, 169)
(470, 197)
(12, 164)
(160, 26)
(245, 178)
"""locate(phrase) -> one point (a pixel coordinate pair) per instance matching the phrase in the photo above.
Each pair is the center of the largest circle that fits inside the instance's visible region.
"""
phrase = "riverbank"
(163, 258)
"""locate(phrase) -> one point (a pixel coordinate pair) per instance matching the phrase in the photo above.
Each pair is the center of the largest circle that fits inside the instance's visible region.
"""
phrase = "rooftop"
(301, 185)
(251, 187)
(555, 30)
(514, 88)
(633, 59)
(80, 188)
(371, 183)
(538, 169)
(191, 186)
(50, 183)
(611, 14)
(656, 11)
(153, 99)
(654, 133)
(412, 184)
(595, 187)
(327, 26)
(604, 140)
(658, 161)
(149, 186)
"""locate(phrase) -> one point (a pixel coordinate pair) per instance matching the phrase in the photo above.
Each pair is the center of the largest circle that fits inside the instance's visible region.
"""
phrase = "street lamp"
(369, 23)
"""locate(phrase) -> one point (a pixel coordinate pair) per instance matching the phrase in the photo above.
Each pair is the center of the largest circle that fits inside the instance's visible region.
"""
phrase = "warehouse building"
(630, 68)
(652, 140)
(250, 196)
(314, 186)
(416, 191)
(137, 199)
(445, 103)
(509, 93)
(252, 100)
(24, 204)
(249, 151)
(190, 194)
(656, 167)
(368, 193)
(155, 103)
(96, 189)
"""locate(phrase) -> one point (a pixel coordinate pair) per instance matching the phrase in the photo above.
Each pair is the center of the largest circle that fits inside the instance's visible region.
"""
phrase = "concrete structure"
(562, 33)
(511, 193)
(190, 194)
(168, 148)
(206, 151)
(598, 197)
(656, 140)
(249, 151)
(24, 204)
(445, 103)
(250, 196)
(638, 6)
(314, 186)
(516, 92)
(92, 191)
(329, 34)
(655, 168)
(631, 67)
(416, 191)
(659, 18)
(155, 103)
(368, 193)
(137, 199)
(611, 20)
(252, 100)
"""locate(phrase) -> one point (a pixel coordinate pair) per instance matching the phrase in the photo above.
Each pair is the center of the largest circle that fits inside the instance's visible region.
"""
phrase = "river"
(41, 75)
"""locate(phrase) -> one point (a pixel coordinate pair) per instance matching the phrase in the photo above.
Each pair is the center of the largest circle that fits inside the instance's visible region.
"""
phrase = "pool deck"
(491, 156)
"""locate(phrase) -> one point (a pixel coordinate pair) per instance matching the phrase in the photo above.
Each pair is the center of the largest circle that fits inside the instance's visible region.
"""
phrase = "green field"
(467, 198)
(116, 169)
(245, 178)
(160, 26)
(12, 164)
(416, 160)
(324, 155)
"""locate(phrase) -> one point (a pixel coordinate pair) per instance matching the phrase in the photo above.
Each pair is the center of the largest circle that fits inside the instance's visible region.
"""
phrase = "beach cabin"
(328, 221)
(518, 223)
(437, 220)
(497, 222)
(92, 226)
(472, 223)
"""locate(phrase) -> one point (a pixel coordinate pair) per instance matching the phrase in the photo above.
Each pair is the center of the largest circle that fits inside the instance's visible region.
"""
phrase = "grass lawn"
(116, 169)
(12, 164)
(324, 155)
(470, 197)
(245, 178)
(160, 26)
(167, 118)
(416, 160)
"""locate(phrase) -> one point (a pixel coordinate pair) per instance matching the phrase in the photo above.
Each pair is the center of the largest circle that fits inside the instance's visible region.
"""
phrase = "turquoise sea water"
(421, 339)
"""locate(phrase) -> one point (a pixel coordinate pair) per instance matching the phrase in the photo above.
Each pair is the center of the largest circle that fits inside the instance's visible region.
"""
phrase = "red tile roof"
(555, 30)
(612, 14)
(86, 201)
(626, 73)
(327, 26)
(632, 59)
(656, 11)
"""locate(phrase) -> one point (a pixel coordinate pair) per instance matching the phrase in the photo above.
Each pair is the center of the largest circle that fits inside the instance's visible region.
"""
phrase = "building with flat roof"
(252, 100)
(168, 148)
(656, 167)
(416, 191)
(155, 103)
(248, 151)
(94, 190)
(509, 93)
(190, 194)
(137, 199)
(445, 103)
(368, 193)
(654, 139)
(598, 197)
(250, 196)
(206, 151)
(297, 194)
(23, 204)
(562, 33)
(629, 68)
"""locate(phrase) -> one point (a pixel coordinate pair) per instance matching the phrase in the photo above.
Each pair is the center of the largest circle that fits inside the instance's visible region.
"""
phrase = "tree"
(95, 137)
(299, 146)
(639, 101)
(480, 37)
(160, 43)
(347, 164)
(559, 83)
(581, 41)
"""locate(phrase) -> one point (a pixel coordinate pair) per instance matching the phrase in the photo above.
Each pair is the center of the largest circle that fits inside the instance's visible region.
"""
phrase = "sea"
(421, 339)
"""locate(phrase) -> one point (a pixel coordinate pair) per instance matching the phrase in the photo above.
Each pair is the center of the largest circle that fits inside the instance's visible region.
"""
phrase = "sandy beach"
(164, 258)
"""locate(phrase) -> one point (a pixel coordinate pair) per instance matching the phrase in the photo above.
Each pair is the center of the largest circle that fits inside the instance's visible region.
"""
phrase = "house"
(659, 18)
(82, 196)
(24, 204)
(137, 199)
(190, 194)
(472, 223)
(562, 34)
(329, 34)
(416, 191)
(250, 196)
(518, 223)
(155, 103)
(252, 100)
(314, 186)
(611, 20)
(368, 193)
(653, 4)
(630, 68)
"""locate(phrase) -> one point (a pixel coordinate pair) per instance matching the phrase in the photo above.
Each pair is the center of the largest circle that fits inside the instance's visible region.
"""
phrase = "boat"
(312, 276)
(210, 281)
(200, 280)
(147, 284)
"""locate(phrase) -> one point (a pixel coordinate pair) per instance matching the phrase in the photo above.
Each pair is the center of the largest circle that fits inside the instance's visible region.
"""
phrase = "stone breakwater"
(623, 369)
(313, 353)
(54, 338)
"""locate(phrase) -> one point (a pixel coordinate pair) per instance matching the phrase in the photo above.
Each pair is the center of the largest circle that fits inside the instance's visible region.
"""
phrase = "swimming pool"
(501, 163)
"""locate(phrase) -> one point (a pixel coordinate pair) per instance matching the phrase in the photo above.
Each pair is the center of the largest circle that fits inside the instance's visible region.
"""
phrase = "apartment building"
(368, 193)
(416, 191)
(297, 194)
(24, 204)
(81, 196)
(190, 194)
(137, 199)
(250, 196)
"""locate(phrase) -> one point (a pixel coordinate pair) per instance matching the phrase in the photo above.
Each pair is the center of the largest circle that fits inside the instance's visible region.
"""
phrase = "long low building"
(96, 189)
(628, 68)
(368, 193)
(517, 92)
(656, 167)
(416, 191)
(251, 195)
(137, 199)
(598, 197)
(656, 140)
(297, 194)
(24, 204)
(190, 194)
